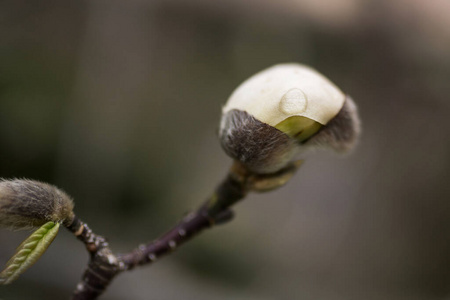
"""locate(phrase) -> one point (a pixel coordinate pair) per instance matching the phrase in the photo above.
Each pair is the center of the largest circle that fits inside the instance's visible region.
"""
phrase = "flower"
(283, 111)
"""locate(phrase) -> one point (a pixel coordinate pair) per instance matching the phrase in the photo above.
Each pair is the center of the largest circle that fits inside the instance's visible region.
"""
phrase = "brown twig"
(104, 265)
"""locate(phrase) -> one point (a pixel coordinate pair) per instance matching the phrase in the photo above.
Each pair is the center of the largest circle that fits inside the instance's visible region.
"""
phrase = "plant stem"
(103, 265)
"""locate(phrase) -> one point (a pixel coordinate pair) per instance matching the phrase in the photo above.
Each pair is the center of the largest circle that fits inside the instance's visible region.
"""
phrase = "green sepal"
(29, 252)
(300, 128)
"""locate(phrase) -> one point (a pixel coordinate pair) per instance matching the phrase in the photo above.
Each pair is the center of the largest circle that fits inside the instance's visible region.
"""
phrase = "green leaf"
(29, 252)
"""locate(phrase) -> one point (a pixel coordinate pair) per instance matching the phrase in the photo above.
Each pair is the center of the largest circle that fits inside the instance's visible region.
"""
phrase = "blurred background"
(118, 103)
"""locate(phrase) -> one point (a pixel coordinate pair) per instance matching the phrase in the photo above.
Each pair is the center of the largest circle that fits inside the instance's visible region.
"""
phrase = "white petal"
(286, 90)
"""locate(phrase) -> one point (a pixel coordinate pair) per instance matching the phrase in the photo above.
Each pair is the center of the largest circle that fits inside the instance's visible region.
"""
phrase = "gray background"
(118, 103)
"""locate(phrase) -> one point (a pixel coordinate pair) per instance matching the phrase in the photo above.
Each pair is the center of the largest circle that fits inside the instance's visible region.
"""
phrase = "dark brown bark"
(104, 265)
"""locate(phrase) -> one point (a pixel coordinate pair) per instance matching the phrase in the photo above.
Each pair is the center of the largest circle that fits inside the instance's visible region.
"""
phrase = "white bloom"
(287, 90)
(283, 111)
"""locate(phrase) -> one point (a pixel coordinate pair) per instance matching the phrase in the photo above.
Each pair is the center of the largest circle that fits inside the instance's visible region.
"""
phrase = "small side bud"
(26, 203)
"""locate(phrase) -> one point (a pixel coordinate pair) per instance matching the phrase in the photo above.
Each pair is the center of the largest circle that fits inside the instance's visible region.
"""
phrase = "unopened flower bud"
(25, 204)
(282, 111)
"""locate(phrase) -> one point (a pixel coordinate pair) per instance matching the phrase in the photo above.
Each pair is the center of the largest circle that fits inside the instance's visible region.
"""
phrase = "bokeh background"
(118, 103)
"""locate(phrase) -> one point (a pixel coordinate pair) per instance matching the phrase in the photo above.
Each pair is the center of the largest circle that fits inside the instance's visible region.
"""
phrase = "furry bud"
(25, 204)
(283, 111)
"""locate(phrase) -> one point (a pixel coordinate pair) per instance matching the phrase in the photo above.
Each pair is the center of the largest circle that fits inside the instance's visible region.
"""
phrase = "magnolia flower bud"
(25, 204)
(283, 111)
